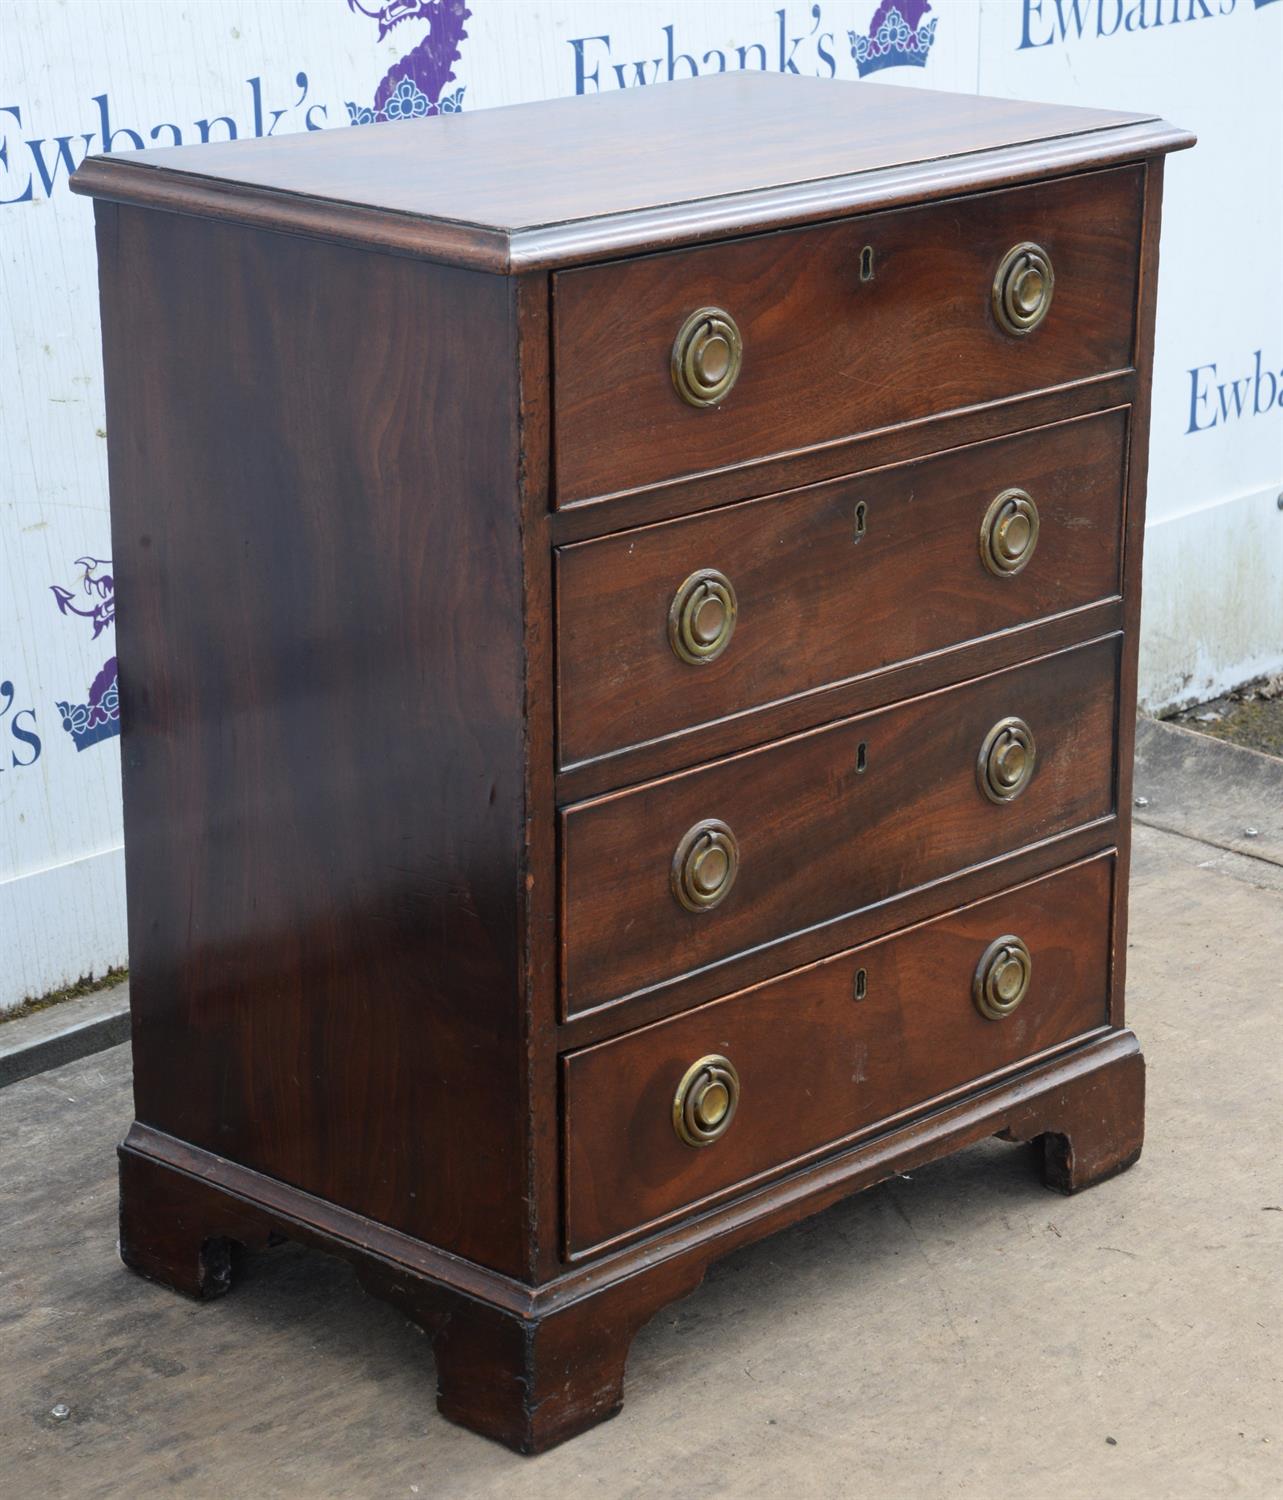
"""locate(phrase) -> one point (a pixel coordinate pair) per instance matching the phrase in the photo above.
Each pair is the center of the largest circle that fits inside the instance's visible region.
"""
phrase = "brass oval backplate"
(1006, 762)
(1009, 533)
(706, 1100)
(1002, 977)
(1022, 288)
(705, 865)
(701, 618)
(707, 354)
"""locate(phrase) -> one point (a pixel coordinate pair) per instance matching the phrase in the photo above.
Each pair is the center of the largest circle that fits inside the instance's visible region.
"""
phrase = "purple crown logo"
(99, 718)
(899, 37)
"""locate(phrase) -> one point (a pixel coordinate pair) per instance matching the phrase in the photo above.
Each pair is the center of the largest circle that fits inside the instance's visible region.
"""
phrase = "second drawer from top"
(669, 627)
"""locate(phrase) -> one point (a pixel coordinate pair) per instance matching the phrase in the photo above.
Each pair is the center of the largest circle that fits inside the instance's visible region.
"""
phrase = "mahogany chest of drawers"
(627, 655)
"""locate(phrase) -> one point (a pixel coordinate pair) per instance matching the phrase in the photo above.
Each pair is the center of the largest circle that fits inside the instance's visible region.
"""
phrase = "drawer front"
(820, 1054)
(831, 582)
(824, 353)
(814, 827)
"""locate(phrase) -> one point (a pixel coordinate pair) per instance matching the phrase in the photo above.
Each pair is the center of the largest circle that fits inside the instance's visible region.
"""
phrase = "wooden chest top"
(631, 170)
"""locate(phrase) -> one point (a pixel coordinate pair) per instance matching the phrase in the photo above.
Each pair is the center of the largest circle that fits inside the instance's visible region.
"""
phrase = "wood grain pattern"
(816, 1063)
(818, 838)
(825, 353)
(621, 151)
(820, 603)
(323, 794)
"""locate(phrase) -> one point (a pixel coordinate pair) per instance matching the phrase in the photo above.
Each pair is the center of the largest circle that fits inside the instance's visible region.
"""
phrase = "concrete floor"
(962, 1333)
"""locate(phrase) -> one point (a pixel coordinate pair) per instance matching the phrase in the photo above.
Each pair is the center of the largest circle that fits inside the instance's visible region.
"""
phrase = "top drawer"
(843, 328)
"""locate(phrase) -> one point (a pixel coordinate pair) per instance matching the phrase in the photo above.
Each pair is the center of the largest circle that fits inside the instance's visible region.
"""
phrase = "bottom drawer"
(796, 1065)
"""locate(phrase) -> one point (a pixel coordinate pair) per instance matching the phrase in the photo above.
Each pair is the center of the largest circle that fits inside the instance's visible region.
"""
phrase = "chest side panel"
(323, 781)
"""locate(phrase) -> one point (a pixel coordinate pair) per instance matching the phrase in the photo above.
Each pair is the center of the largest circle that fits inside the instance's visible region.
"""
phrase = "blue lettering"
(1075, 11)
(1072, 17)
(1233, 401)
(680, 57)
(583, 78)
(787, 65)
(1257, 408)
(28, 193)
(26, 737)
(1031, 8)
(205, 126)
(742, 54)
(826, 56)
(108, 134)
(1239, 391)
(256, 95)
(1197, 398)
(639, 73)
(48, 175)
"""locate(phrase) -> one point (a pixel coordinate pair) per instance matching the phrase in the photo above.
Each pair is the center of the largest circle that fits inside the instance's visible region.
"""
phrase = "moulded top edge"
(575, 180)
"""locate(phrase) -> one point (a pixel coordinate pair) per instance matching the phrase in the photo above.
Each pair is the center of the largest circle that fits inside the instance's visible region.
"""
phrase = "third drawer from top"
(682, 874)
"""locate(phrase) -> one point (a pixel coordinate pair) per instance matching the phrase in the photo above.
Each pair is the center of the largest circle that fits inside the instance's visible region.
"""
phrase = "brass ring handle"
(701, 618)
(1022, 288)
(705, 865)
(707, 354)
(1002, 977)
(1006, 762)
(706, 1099)
(1009, 533)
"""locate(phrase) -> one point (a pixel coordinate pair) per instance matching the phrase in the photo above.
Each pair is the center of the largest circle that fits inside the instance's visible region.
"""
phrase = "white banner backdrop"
(119, 74)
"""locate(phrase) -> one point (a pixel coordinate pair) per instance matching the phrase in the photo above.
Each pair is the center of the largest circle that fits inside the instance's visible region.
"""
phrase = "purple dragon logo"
(99, 717)
(98, 586)
(899, 36)
(415, 87)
